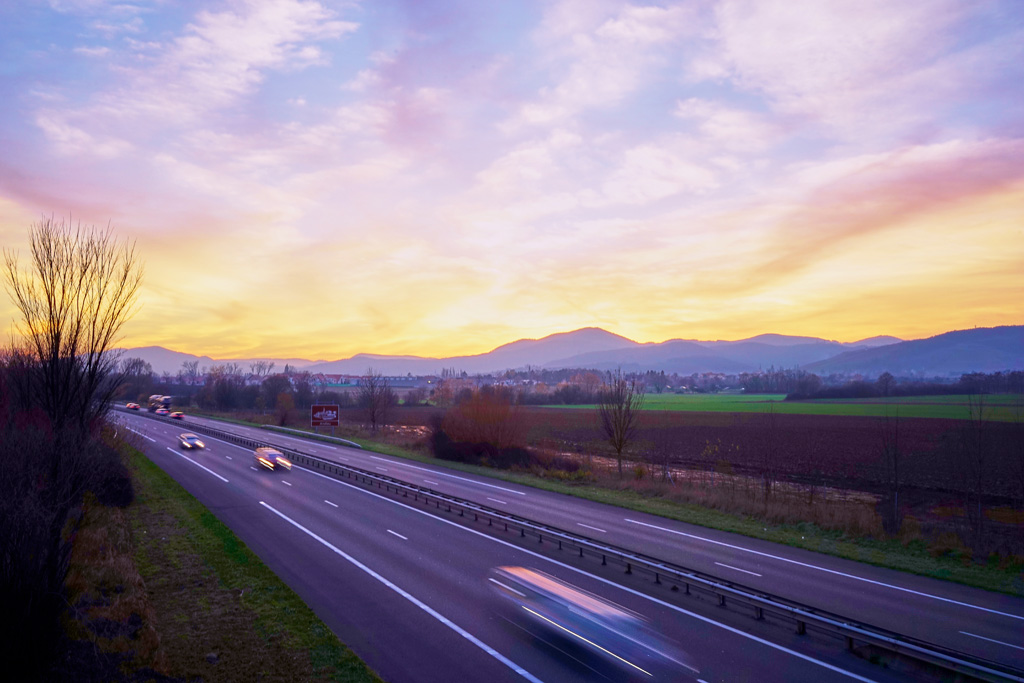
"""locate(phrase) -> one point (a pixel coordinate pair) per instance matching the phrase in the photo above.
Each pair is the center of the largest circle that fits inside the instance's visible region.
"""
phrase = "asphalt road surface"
(409, 591)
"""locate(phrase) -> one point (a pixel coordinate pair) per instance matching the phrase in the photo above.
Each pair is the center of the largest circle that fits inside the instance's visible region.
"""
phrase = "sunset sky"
(317, 179)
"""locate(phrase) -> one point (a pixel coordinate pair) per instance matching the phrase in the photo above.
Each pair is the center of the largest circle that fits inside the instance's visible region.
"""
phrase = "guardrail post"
(801, 628)
(721, 600)
(849, 642)
(657, 579)
(759, 613)
(581, 551)
(603, 560)
(629, 568)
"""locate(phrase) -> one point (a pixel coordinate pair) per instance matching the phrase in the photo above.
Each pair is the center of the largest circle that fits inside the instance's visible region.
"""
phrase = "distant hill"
(986, 349)
(953, 353)
(516, 354)
(882, 340)
(686, 357)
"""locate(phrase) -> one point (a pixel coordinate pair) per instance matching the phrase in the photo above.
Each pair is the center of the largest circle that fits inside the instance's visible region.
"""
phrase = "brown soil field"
(820, 449)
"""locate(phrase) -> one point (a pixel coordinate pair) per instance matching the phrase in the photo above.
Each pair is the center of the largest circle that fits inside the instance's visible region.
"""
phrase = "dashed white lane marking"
(395, 533)
(450, 476)
(991, 640)
(253, 468)
(229, 457)
(831, 571)
(197, 464)
(382, 469)
(333, 505)
(544, 558)
(432, 483)
(729, 566)
(503, 502)
(423, 606)
(587, 526)
(286, 483)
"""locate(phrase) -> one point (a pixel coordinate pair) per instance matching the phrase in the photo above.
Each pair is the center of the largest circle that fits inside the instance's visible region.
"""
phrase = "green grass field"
(997, 407)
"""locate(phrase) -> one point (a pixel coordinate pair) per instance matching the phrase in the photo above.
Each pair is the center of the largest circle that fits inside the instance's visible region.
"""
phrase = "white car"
(190, 442)
(271, 458)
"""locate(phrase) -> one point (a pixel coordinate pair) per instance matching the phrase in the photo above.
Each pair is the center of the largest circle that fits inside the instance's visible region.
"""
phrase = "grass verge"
(222, 614)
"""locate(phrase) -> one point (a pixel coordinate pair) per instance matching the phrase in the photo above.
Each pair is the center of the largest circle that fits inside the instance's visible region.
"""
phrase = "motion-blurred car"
(271, 458)
(178, 415)
(162, 411)
(190, 442)
(610, 633)
(132, 406)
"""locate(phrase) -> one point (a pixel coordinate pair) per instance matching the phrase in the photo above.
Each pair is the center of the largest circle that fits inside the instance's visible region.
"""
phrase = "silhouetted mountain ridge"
(982, 350)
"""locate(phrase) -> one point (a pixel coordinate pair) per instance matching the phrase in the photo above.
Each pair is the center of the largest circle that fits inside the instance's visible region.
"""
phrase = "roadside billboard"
(323, 416)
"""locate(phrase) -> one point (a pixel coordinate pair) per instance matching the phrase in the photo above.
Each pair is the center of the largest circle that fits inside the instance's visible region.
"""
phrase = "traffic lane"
(412, 546)
(397, 640)
(855, 590)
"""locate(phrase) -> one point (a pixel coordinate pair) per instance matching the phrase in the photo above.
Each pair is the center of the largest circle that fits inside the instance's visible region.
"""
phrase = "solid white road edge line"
(139, 433)
(729, 566)
(395, 533)
(451, 476)
(587, 526)
(1016, 647)
(197, 464)
(423, 606)
(830, 571)
(608, 582)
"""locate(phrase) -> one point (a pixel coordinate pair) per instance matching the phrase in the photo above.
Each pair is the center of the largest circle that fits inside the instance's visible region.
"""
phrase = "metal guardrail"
(688, 580)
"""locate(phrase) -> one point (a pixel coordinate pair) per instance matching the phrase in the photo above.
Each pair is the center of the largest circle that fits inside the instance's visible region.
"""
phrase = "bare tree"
(769, 450)
(376, 398)
(974, 446)
(80, 288)
(136, 378)
(261, 368)
(885, 383)
(892, 460)
(189, 371)
(618, 410)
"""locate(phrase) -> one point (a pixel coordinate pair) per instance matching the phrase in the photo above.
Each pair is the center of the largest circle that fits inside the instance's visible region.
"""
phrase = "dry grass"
(110, 611)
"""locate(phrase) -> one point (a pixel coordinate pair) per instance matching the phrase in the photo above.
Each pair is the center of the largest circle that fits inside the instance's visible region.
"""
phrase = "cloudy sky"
(318, 179)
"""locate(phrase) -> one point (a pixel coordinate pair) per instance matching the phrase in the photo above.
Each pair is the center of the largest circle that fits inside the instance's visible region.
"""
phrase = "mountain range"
(952, 353)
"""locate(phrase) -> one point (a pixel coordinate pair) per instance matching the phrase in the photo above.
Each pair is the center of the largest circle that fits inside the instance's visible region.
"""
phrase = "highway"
(409, 592)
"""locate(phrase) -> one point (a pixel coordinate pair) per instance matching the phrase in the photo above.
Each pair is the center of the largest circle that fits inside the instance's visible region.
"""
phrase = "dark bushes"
(44, 475)
(478, 453)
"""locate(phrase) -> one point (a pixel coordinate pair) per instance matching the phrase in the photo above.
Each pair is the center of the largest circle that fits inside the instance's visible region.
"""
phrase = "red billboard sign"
(323, 416)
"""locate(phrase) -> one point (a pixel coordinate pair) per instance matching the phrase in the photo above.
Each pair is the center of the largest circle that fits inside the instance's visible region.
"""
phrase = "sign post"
(323, 416)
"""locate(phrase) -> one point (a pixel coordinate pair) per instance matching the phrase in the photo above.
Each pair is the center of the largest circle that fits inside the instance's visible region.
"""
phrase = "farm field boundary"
(997, 407)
